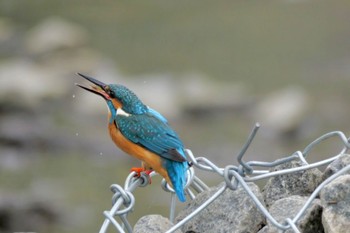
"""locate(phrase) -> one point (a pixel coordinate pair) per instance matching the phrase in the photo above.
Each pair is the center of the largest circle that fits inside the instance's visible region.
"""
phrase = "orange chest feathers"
(151, 159)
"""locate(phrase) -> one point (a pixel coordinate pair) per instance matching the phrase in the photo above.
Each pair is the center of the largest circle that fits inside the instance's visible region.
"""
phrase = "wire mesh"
(123, 200)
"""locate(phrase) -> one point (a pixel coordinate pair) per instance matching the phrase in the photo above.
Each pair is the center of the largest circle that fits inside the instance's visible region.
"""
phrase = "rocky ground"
(284, 196)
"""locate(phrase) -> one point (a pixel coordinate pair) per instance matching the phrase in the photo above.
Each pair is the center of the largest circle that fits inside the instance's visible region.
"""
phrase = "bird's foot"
(139, 170)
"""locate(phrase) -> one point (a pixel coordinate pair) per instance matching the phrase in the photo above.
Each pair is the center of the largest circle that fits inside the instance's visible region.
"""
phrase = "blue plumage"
(151, 133)
(155, 135)
(157, 114)
(179, 181)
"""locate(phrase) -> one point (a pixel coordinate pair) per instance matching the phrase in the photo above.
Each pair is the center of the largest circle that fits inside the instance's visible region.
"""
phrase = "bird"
(143, 133)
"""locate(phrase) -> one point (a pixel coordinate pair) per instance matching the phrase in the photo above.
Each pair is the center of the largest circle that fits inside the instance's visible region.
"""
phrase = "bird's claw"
(139, 170)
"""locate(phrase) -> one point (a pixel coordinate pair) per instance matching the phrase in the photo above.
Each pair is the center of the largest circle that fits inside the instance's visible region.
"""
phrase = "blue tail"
(177, 172)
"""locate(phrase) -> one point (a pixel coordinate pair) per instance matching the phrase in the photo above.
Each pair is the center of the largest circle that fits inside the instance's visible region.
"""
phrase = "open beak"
(99, 89)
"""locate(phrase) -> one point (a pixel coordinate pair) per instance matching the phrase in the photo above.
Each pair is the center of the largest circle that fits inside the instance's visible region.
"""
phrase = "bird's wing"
(153, 134)
(157, 114)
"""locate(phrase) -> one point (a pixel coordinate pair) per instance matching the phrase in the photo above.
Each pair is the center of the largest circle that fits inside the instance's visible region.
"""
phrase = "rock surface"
(153, 223)
(283, 111)
(335, 198)
(233, 211)
(336, 165)
(301, 183)
(54, 34)
(310, 222)
(18, 214)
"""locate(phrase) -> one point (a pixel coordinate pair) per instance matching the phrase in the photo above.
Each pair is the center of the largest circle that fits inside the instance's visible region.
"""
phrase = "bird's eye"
(109, 91)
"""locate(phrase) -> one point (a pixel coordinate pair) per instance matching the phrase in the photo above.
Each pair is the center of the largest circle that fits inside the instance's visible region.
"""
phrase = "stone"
(283, 112)
(198, 92)
(25, 214)
(301, 183)
(335, 198)
(336, 166)
(288, 207)
(153, 224)
(265, 229)
(233, 211)
(30, 83)
(54, 34)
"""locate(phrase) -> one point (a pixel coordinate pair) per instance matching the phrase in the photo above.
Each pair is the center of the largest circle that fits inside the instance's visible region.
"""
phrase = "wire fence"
(123, 200)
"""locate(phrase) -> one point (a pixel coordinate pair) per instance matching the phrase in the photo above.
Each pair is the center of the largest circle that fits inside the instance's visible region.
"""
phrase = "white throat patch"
(121, 112)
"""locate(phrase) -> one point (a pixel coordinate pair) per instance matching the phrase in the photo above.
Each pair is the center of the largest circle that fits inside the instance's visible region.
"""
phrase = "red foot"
(138, 171)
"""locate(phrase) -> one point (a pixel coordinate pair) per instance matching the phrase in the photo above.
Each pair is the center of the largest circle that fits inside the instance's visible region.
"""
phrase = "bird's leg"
(145, 169)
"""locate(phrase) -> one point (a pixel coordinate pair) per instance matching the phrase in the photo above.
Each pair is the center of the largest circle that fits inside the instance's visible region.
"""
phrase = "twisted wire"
(123, 200)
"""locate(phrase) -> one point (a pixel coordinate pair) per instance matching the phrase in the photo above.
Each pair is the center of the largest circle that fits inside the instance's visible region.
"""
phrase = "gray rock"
(301, 183)
(153, 224)
(36, 82)
(283, 111)
(335, 198)
(20, 214)
(336, 165)
(288, 207)
(198, 101)
(233, 211)
(265, 229)
(54, 34)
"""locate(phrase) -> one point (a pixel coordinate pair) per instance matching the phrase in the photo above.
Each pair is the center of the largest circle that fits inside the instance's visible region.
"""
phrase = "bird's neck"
(112, 112)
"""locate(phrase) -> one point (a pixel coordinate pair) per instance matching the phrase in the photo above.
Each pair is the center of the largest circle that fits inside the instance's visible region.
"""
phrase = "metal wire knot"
(127, 197)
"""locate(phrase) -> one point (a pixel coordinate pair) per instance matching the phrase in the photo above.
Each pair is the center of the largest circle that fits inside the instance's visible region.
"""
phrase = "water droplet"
(76, 134)
(101, 153)
(73, 96)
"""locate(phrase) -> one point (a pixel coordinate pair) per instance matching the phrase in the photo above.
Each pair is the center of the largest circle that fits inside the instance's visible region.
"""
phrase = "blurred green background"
(213, 68)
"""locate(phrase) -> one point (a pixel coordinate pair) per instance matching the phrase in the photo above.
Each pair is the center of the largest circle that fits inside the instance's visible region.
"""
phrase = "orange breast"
(150, 158)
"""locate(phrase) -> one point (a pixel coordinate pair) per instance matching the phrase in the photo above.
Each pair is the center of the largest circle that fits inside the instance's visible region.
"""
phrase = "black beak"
(99, 89)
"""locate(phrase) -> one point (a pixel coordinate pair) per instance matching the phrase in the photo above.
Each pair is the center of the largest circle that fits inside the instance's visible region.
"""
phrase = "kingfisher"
(143, 133)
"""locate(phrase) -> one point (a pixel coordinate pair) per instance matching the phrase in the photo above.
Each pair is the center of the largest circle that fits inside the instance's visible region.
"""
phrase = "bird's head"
(117, 96)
